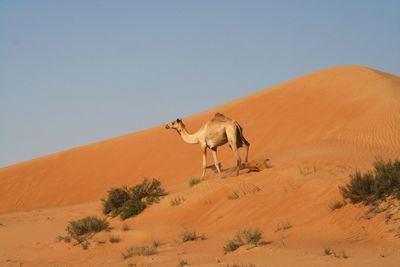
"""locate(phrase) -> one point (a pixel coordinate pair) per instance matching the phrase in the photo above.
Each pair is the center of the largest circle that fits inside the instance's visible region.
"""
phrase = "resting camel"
(216, 132)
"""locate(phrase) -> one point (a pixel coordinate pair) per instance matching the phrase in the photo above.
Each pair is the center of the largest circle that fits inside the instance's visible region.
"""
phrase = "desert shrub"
(232, 245)
(177, 200)
(183, 263)
(128, 202)
(307, 170)
(283, 226)
(131, 208)
(114, 239)
(338, 254)
(150, 191)
(194, 181)
(66, 239)
(374, 185)
(328, 251)
(244, 237)
(251, 236)
(144, 250)
(191, 236)
(336, 205)
(81, 229)
(233, 195)
(125, 227)
(90, 224)
(116, 198)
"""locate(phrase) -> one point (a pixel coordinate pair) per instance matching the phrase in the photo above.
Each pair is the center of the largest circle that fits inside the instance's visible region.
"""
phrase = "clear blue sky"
(76, 72)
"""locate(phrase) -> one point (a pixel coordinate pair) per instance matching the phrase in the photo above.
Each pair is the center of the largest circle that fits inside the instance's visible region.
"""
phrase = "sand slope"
(346, 112)
(315, 130)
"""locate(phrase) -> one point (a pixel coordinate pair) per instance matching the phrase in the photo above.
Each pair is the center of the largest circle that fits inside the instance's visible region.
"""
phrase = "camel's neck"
(189, 138)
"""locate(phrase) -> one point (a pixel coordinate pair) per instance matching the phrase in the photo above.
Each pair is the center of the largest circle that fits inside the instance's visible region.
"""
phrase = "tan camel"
(216, 132)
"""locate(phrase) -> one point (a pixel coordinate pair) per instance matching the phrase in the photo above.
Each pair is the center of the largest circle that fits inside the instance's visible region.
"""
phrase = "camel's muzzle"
(166, 126)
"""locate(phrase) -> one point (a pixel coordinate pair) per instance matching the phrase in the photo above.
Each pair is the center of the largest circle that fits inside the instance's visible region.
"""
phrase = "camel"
(216, 132)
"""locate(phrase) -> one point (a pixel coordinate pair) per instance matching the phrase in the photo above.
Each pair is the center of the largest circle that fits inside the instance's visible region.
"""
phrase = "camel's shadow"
(251, 166)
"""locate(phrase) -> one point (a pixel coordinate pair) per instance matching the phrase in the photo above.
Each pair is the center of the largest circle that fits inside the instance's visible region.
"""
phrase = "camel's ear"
(178, 120)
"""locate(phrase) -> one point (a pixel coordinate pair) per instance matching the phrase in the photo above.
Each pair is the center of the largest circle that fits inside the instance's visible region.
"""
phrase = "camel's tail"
(240, 140)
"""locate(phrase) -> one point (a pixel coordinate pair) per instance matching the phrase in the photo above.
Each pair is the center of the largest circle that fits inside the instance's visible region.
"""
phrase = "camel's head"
(176, 124)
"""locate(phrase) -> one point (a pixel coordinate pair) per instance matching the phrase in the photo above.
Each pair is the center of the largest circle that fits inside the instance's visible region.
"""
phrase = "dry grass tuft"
(177, 200)
(244, 237)
(144, 250)
(191, 236)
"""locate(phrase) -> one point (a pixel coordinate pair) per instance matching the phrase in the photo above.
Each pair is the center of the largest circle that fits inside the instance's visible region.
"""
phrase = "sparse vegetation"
(128, 202)
(177, 200)
(244, 237)
(183, 263)
(283, 226)
(191, 236)
(370, 187)
(337, 205)
(233, 195)
(328, 251)
(307, 170)
(81, 230)
(66, 239)
(194, 181)
(341, 254)
(131, 208)
(125, 227)
(155, 243)
(114, 239)
(116, 198)
(243, 191)
(144, 250)
(91, 224)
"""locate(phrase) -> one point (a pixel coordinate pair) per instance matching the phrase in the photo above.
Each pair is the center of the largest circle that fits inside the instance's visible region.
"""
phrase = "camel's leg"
(204, 161)
(214, 153)
(238, 159)
(247, 147)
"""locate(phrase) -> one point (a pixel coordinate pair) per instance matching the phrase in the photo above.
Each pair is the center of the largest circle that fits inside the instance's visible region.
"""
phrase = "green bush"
(116, 198)
(150, 191)
(131, 208)
(128, 202)
(91, 224)
(369, 187)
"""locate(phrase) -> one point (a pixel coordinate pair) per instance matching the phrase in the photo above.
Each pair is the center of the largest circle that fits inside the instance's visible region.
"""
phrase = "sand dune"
(315, 130)
(342, 112)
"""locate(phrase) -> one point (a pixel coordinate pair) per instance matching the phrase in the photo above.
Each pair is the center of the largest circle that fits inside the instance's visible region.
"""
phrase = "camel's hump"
(220, 117)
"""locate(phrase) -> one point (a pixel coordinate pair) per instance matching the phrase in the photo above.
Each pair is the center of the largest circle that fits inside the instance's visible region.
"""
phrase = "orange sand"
(315, 130)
